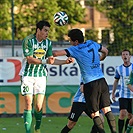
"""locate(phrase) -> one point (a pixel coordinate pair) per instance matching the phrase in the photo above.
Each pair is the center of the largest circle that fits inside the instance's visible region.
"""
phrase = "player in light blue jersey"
(125, 95)
(78, 107)
(96, 90)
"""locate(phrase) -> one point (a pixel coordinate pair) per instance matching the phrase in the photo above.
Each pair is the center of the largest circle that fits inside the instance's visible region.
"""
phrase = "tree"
(28, 12)
(5, 20)
(120, 15)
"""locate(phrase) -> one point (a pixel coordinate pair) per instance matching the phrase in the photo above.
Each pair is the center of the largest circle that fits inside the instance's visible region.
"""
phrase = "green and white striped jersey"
(39, 50)
(130, 81)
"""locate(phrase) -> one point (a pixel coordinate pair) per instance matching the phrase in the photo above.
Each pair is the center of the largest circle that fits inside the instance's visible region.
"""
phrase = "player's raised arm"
(104, 53)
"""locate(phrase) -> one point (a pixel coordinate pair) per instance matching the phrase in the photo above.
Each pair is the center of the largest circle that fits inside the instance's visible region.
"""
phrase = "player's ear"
(38, 29)
(76, 42)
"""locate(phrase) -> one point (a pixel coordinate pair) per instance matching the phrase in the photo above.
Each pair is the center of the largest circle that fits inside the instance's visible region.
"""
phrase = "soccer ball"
(60, 18)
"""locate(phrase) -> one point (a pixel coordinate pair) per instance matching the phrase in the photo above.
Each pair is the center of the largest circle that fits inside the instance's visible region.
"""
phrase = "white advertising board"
(57, 75)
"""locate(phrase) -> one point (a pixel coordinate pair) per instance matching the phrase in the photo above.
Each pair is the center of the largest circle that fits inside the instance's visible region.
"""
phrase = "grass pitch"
(49, 125)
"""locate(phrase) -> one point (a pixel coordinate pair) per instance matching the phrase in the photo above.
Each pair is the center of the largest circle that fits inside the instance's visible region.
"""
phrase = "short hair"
(42, 23)
(76, 34)
(127, 51)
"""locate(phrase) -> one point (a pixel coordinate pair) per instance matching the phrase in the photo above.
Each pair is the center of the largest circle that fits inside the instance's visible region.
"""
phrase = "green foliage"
(91, 34)
(28, 12)
(73, 9)
(5, 20)
(120, 15)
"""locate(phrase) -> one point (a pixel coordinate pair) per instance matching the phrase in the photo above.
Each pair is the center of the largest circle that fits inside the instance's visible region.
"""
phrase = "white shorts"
(33, 85)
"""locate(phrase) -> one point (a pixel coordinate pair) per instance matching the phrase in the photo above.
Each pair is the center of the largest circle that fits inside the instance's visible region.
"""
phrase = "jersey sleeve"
(27, 48)
(81, 81)
(70, 51)
(117, 75)
(49, 51)
(99, 46)
(68, 54)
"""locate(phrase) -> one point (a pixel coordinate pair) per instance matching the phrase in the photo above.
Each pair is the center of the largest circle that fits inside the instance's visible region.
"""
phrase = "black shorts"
(96, 95)
(77, 109)
(125, 103)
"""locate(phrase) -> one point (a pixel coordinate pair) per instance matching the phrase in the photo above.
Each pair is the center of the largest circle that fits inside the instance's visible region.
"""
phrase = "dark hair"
(76, 34)
(127, 51)
(42, 23)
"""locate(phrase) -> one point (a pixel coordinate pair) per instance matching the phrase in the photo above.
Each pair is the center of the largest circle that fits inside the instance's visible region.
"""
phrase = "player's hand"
(82, 88)
(113, 98)
(69, 60)
(50, 60)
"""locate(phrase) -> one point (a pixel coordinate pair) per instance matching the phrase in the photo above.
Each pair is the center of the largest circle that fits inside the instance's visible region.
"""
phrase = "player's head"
(76, 35)
(126, 55)
(42, 29)
(41, 24)
(126, 50)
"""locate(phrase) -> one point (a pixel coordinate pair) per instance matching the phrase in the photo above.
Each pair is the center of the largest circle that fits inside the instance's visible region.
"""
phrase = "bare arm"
(81, 88)
(61, 62)
(114, 88)
(104, 53)
(59, 53)
(130, 87)
(32, 60)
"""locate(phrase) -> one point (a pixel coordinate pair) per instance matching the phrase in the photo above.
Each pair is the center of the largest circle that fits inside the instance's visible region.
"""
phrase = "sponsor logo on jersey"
(39, 53)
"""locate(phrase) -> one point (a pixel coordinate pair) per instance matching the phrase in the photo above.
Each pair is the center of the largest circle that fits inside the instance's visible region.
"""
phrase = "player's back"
(87, 56)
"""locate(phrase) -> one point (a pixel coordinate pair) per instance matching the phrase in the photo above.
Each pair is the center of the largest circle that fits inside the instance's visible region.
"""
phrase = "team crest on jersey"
(26, 50)
(39, 53)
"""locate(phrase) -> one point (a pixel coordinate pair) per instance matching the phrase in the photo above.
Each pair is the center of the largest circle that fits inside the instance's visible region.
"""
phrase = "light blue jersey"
(79, 96)
(123, 73)
(87, 57)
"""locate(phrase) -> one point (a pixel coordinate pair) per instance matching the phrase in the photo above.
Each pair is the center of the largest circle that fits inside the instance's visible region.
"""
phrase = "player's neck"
(127, 63)
(39, 39)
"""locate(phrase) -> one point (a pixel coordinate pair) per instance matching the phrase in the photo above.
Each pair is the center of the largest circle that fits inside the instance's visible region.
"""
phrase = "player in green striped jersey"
(37, 51)
(130, 86)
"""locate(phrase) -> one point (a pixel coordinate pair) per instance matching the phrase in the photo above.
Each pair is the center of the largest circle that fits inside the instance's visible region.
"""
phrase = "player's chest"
(37, 46)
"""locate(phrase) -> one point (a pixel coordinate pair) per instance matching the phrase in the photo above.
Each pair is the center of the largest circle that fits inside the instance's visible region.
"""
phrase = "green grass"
(49, 125)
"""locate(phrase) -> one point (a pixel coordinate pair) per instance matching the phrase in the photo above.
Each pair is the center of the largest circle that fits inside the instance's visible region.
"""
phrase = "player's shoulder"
(120, 66)
(26, 39)
(132, 64)
(29, 37)
(48, 41)
(93, 43)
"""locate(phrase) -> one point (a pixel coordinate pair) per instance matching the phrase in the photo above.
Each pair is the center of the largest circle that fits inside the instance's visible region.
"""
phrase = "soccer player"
(130, 83)
(125, 95)
(130, 86)
(37, 51)
(96, 90)
(78, 107)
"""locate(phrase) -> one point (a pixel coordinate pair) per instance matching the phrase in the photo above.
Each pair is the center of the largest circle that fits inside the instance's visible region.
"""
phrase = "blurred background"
(108, 22)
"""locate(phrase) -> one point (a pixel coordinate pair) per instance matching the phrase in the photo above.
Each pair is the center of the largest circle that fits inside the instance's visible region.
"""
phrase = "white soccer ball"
(60, 18)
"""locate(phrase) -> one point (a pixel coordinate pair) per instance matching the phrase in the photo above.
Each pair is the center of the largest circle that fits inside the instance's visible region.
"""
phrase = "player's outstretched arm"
(61, 62)
(59, 53)
(32, 60)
